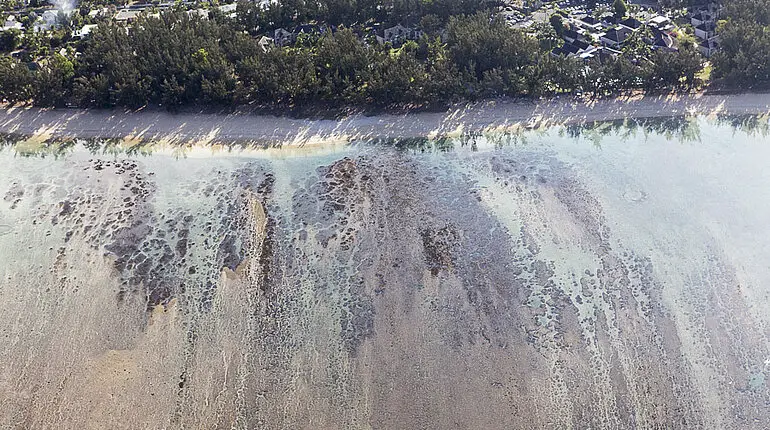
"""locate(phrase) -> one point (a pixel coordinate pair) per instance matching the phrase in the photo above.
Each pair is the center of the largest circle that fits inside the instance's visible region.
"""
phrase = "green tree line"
(179, 59)
(743, 59)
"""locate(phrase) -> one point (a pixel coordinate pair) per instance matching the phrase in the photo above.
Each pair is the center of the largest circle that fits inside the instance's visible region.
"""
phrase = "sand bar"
(210, 128)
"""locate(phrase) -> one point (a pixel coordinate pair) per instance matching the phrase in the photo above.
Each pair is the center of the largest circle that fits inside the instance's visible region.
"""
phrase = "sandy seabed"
(566, 283)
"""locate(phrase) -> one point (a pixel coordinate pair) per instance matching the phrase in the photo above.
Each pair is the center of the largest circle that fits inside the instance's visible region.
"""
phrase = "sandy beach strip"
(208, 128)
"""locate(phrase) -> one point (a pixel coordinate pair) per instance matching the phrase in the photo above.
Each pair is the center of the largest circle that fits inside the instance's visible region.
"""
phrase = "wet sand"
(558, 283)
(192, 129)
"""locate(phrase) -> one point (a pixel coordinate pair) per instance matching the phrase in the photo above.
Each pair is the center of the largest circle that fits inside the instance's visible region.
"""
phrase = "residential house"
(127, 15)
(660, 22)
(615, 36)
(700, 18)
(522, 25)
(660, 40)
(566, 50)
(591, 34)
(201, 13)
(570, 35)
(84, 31)
(396, 34)
(265, 43)
(589, 20)
(569, 49)
(588, 53)
(399, 34)
(283, 37)
(600, 53)
(663, 42)
(581, 45)
(588, 24)
(708, 47)
(228, 9)
(95, 13)
(577, 48)
(631, 23)
(47, 21)
(706, 30)
(11, 24)
(609, 20)
(712, 9)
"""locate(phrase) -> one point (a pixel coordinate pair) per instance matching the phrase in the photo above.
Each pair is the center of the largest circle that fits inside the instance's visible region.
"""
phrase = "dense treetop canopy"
(464, 52)
(744, 57)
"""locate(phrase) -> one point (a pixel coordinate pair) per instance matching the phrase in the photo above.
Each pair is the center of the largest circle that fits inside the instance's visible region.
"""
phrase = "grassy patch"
(705, 74)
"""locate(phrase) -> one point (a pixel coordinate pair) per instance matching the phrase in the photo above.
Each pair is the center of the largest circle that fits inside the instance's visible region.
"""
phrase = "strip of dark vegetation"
(465, 52)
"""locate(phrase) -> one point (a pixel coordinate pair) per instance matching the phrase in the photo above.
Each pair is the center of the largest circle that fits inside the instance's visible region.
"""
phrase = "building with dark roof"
(581, 44)
(708, 47)
(631, 23)
(615, 36)
(570, 35)
(705, 30)
(609, 19)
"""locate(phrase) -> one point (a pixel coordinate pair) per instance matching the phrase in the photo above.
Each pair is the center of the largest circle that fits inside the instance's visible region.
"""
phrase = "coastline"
(187, 129)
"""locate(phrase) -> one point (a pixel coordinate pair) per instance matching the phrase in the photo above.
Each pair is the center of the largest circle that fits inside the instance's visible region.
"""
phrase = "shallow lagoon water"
(609, 275)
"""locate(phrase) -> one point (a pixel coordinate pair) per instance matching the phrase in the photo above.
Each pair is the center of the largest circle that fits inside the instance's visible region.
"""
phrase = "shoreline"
(188, 129)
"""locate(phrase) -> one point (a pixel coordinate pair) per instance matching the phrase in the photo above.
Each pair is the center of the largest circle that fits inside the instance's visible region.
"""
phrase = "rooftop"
(127, 14)
(631, 23)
